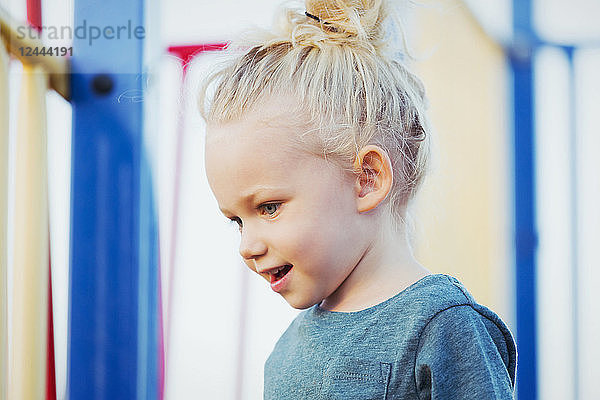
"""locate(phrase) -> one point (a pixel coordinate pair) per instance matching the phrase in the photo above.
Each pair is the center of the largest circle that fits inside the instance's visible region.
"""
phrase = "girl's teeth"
(280, 269)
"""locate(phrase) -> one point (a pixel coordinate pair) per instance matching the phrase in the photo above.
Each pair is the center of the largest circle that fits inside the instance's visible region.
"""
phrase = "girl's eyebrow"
(251, 194)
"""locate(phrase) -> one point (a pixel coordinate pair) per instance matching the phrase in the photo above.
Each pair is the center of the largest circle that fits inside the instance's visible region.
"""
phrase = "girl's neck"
(386, 268)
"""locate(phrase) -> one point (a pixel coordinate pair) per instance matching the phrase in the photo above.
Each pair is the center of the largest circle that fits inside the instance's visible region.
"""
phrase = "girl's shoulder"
(450, 314)
(446, 288)
(437, 296)
(430, 295)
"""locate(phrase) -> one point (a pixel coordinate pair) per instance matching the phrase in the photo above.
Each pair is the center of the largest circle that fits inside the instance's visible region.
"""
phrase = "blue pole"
(113, 330)
(521, 61)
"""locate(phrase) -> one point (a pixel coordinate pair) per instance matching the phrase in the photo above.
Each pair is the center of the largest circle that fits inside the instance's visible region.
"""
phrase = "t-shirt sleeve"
(458, 358)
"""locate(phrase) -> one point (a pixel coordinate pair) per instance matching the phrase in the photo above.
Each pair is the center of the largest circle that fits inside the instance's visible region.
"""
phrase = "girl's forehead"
(258, 133)
(247, 139)
(248, 150)
(278, 111)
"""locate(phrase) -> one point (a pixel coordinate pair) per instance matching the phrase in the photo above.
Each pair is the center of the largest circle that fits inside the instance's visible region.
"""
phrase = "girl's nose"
(251, 246)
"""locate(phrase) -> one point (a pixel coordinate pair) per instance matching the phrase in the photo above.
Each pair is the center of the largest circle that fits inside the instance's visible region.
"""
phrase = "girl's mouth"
(280, 278)
(280, 273)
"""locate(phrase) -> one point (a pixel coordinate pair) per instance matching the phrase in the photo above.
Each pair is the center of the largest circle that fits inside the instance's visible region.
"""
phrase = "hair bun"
(358, 19)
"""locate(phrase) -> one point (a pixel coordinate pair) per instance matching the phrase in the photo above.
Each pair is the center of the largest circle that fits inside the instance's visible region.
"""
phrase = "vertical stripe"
(524, 198)
(3, 219)
(180, 131)
(148, 310)
(525, 235)
(30, 282)
(113, 323)
(574, 218)
(587, 65)
(555, 371)
(186, 55)
(34, 17)
(50, 372)
(161, 331)
(34, 13)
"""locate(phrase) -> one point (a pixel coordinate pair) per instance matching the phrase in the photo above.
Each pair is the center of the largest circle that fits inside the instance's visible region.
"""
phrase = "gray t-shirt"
(430, 341)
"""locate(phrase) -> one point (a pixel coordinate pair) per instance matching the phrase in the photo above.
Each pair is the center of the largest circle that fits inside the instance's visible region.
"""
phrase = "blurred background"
(509, 208)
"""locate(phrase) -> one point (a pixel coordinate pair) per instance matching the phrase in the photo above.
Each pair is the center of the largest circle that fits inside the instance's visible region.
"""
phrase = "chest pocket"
(350, 378)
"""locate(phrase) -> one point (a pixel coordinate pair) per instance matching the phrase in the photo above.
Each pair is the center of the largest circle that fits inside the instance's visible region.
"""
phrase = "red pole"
(50, 372)
(34, 14)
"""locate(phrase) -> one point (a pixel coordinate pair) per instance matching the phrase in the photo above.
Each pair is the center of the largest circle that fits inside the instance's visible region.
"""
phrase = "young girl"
(316, 142)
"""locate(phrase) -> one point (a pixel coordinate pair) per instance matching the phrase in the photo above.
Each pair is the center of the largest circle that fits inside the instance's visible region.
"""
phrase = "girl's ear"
(375, 177)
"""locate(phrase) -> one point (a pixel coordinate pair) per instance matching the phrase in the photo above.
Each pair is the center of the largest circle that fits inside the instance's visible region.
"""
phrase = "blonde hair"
(347, 87)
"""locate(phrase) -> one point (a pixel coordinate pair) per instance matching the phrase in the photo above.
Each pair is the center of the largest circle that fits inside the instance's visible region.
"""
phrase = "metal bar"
(521, 61)
(34, 17)
(4, 98)
(113, 325)
(30, 257)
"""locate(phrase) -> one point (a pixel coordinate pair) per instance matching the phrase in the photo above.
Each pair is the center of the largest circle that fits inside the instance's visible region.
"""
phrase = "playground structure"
(117, 336)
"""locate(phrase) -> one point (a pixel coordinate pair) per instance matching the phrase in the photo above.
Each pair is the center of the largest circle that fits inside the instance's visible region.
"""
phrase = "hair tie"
(312, 16)
(327, 24)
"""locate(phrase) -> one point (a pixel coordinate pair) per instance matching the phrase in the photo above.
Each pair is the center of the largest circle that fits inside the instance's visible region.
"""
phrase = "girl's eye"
(270, 208)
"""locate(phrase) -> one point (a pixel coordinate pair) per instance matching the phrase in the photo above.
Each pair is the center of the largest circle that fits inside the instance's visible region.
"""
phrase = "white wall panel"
(587, 65)
(554, 211)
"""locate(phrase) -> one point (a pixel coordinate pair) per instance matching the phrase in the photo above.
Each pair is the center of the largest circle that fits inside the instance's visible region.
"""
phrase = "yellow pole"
(462, 208)
(30, 282)
(3, 218)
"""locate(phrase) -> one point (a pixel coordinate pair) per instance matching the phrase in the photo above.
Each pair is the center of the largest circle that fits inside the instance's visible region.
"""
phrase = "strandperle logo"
(85, 31)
